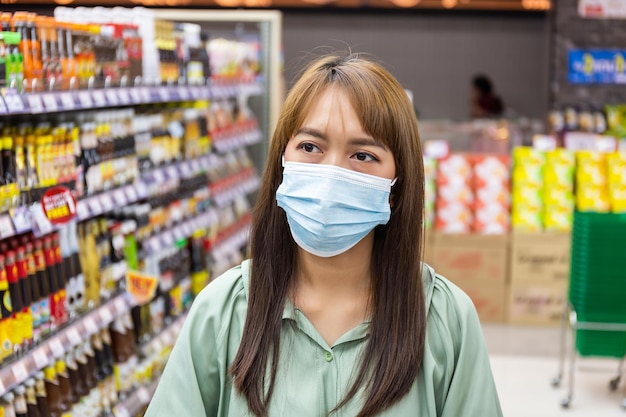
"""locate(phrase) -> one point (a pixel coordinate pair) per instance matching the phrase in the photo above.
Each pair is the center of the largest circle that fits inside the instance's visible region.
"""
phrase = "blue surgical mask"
(330, 209)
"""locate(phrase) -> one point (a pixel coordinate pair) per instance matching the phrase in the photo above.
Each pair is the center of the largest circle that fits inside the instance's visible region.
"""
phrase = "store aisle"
(523, 378)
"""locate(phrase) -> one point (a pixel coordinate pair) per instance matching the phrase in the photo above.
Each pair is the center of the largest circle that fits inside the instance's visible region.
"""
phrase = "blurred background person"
(485, 103)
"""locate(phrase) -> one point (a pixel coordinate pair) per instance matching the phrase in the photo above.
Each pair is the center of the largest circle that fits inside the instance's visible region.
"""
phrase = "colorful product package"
(593, 198)
(559, 169)
(527, 193)
(591, 169)
(527, 218)
(430, 191)
(455, 195)
(492, 194)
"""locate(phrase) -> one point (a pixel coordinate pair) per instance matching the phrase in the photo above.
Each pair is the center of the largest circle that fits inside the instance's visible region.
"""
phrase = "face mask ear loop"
(282, 160)
(393, 182)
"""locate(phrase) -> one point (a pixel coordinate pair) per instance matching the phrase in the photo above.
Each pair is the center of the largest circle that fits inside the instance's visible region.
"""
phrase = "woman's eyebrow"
(354, 141)
(312, 132)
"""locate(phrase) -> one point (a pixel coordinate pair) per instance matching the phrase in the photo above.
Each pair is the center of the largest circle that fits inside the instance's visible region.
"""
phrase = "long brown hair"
(395, 347)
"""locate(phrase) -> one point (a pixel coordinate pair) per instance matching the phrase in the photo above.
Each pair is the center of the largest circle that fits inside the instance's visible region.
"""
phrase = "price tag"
(167, 338)
(436, 149)
(142, 192)
(580, 141)
(85, 99)
(95, 206)
(195, 166)
(606, 144)
(50, 102)
(14, 103)
(40, 357)
(21, 219)
(56, 347)
(178, 233)
(107, 202)
(120, 306)
(164, 94)
(131, 194)
(35, 103)
(135, 95)
(3, 107)
(106, 316)
(119, 197)
(41, 224)
(155, 244)
(112, 97)
(172, 172)
(143, 395)
(145, 94)
(183, 92)
(90, 325)
(158, 176)
(123, 96)
(73, 336)
(67, 101)
(6, 226)
(82, 211)
(121, 411)
(19, 371)
(185, 169)
(168, 238)
(195, 92)
(544, 143)
(99, 98)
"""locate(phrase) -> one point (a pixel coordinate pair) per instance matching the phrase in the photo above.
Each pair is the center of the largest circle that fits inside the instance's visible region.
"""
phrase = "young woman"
(334, 315)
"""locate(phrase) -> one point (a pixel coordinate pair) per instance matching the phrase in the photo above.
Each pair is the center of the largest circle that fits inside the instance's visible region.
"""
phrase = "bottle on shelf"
(41, 394)
(6, 402)
(31, 399)
(44, 285)
(53, 391)
(21, 408)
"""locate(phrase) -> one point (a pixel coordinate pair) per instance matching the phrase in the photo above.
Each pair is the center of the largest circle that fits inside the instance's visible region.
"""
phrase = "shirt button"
(328, 356)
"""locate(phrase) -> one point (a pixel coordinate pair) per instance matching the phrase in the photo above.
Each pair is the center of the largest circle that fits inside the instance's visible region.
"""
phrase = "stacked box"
(592, 192)
(527, 195)
(616, 165)
(559, 190)
(455, 196)
(430, 191)
(492, 195)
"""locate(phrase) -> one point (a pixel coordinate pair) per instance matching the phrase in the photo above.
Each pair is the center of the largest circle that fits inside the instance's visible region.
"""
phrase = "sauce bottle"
(35, 291)
(64, 385)
(120, 356)
(56, 307)
(31, 399)
(42, 396)
(53, 391)
(44, 287)
(5, 295)
(17, 329)
(21, 409)
(7, 404)
(62, 276)
(72, 370)
(26, 313)
(107, 349)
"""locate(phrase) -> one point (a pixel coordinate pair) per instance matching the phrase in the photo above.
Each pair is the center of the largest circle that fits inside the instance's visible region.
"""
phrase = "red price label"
(59, 205)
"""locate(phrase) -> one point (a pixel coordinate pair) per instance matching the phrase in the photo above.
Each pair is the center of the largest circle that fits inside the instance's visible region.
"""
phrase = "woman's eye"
(308, 147)
(365, 157)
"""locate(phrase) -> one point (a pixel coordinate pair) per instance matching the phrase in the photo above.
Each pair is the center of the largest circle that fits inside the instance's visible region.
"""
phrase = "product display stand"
(595, 313)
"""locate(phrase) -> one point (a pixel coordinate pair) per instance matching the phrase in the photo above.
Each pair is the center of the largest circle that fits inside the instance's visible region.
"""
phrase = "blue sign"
(597, 66)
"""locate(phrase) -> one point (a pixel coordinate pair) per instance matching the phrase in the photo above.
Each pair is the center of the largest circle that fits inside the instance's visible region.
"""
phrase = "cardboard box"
(490, 301)
(541, 257)
(536, 302)
(471, 259)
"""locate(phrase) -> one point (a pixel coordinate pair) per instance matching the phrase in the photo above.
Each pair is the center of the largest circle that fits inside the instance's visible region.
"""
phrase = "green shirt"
(455, 379)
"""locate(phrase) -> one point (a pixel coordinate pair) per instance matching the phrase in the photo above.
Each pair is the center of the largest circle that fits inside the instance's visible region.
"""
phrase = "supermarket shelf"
(224, 191)
(232, 237)
(181, 231)
(32, 218)
(62, 101)
(235, 137)
(71, 335)
(133, 404)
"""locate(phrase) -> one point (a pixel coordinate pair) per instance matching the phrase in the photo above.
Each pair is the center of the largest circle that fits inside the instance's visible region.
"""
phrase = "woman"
(335, 314)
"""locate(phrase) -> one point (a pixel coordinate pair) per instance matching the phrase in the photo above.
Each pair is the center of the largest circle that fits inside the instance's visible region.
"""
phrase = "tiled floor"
(524, 360)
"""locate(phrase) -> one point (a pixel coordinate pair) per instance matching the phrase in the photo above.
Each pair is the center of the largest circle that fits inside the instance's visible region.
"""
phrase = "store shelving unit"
(266, 92)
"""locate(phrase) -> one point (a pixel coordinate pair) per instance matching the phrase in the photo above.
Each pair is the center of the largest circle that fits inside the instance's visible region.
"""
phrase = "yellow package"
(527, 195)
(616, 165)
(526, 219)
(559, 169)
(592, 198)
(558, 219)
(618, 199)
(556, 197)
(528, 156)
(591, 169)
(6, 347)
(527, 173)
